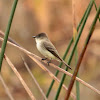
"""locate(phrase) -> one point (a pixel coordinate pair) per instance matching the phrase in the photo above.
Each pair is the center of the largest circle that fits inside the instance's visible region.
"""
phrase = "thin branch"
(57, 72)
(52, 65)
(78, 79)
(38, 61)
(76, 51)
(20, 78)
(42, 65)
(6, 88)
(73, 49)
(9, 39)
(82, 54)
(34, 78)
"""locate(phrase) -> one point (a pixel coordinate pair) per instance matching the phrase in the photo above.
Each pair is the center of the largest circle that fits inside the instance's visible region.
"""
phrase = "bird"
(47, 49)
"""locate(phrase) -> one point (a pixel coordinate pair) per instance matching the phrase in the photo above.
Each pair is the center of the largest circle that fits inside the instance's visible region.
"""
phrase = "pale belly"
(45, 52)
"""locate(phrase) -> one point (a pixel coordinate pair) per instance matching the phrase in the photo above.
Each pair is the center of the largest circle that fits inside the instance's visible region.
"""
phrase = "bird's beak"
(34, 36)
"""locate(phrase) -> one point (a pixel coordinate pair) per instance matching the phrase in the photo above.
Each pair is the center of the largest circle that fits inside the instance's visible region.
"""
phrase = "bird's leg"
(43, 59)
(49, 61)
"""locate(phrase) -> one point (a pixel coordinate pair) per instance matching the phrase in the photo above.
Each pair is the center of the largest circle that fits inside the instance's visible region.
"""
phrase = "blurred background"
(55, 18)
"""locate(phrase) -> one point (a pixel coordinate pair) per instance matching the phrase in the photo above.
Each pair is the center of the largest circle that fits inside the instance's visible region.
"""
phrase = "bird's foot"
(49, 62)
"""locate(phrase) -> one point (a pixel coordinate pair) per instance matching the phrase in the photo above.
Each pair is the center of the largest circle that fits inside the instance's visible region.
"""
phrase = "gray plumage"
(46, 48)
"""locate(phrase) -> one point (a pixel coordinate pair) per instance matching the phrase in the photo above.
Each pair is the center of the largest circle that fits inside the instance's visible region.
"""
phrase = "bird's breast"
(44, 51)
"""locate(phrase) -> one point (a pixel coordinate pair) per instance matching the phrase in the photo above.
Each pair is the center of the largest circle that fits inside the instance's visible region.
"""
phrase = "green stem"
(51, 85)
(82, 54)
(96, 8)
(66, 52)
(72, 53)
(82, 18)
(7, 33)
(77, 83)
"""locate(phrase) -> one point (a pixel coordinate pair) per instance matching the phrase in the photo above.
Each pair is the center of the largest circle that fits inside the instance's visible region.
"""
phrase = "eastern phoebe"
(47, 49)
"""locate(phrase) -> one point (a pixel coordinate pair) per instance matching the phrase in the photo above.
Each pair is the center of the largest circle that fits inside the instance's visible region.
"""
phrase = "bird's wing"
(50, 47)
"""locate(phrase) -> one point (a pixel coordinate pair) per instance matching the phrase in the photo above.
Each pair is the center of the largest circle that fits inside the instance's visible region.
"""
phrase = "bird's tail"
(63, 61)
(66, 64)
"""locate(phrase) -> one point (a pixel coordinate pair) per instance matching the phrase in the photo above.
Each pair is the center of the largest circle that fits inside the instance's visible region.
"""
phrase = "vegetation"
(31, 76)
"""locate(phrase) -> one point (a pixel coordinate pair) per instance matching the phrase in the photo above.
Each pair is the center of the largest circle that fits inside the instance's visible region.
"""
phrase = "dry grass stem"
(38, 61)
(20, 78)
(78, 79)
(34, 78)
(51, 74)
(6, 88)
(52, 65)
(82, 55)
